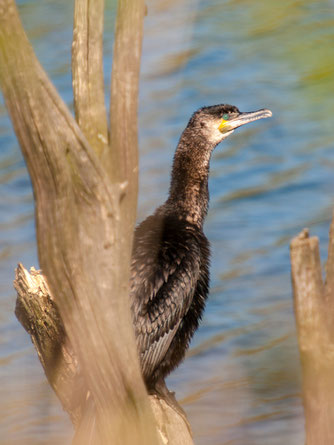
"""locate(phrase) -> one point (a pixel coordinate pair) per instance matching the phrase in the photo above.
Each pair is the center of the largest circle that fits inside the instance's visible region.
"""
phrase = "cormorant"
(170, 259)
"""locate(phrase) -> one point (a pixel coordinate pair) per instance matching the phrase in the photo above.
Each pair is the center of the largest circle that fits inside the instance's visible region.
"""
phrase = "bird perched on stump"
(170, 260)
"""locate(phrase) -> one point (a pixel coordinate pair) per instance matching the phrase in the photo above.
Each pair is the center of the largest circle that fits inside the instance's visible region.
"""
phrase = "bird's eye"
(226, 117)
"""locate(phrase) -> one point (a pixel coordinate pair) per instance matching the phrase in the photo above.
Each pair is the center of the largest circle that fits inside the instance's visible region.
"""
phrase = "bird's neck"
(188, 194)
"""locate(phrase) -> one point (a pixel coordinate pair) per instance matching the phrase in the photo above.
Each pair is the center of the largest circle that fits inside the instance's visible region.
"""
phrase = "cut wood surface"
(37, 312)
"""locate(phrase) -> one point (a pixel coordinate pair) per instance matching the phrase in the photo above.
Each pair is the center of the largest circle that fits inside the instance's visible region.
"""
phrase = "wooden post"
(313, 302)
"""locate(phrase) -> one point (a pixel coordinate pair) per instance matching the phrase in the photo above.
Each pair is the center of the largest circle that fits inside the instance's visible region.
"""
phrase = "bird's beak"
(242, 119)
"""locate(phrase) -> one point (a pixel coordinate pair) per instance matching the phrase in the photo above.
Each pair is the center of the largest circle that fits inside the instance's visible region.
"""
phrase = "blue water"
(241, 381)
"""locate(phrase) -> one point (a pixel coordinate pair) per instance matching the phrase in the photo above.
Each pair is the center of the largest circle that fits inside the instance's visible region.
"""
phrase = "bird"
(169, 282)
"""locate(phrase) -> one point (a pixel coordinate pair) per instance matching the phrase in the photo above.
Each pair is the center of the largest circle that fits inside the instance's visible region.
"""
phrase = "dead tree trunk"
(80, 319)
(38, 314)
(314, 311)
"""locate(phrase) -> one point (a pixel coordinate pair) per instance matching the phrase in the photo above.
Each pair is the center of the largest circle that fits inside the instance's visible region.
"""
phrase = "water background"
(240, 384)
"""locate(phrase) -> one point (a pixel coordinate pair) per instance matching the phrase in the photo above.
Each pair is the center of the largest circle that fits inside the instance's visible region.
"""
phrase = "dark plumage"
(170, 261)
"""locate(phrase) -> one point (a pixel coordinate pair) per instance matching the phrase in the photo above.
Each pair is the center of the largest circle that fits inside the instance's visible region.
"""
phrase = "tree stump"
(314, 312)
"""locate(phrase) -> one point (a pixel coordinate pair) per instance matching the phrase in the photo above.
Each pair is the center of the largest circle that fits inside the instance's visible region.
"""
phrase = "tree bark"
(122, 160)
(85, 213)
(313, 302)
(87, 72)
(38, 314)
(74, 197)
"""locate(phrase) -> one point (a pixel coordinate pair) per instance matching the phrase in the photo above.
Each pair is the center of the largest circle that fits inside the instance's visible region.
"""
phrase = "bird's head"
(217, 122)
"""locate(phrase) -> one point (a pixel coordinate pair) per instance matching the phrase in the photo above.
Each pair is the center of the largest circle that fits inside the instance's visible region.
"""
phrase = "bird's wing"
(166, 302)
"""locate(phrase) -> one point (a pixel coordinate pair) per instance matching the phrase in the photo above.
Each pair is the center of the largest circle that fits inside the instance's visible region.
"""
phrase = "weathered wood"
(87, 72)
(85, 212)
(307, 288)
(329, 285)
(80, 239)
(314, 337)
(122, 159)
(36, 310)
(173, 429)
(39, 315)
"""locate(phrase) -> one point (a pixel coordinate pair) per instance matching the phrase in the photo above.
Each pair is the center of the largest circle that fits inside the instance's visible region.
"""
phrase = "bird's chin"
(227, 134)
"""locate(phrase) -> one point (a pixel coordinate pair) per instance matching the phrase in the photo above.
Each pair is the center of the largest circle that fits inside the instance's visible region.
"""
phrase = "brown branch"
(37, 312)
(87, 72)
(122, 160)
(84, 233)
(124, 87)
(80, 239)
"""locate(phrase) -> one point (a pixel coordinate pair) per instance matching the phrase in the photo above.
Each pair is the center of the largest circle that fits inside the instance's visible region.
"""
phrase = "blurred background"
(240, 383)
